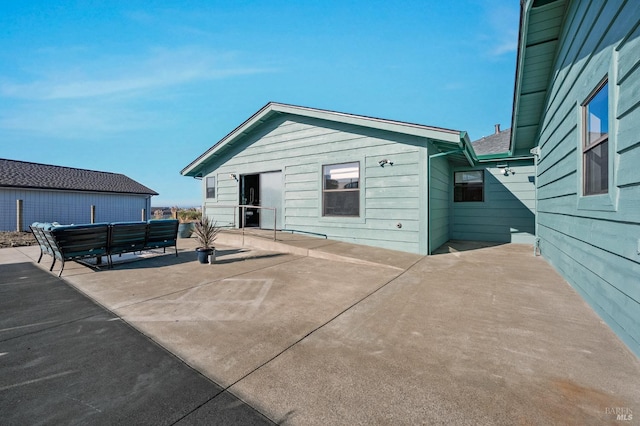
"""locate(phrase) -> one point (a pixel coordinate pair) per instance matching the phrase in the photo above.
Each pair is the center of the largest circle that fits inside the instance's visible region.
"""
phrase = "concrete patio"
(312, 331)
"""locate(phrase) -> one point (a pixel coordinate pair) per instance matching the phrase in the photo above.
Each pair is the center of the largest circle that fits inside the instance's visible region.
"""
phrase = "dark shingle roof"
(22, 174)
(496, 143)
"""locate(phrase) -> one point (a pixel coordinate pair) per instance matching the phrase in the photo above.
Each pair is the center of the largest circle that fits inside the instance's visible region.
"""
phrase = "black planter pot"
(203, 254)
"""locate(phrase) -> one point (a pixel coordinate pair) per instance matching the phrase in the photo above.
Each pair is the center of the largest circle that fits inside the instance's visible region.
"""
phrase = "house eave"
(194, 169)
(47, 188)
(545, 19)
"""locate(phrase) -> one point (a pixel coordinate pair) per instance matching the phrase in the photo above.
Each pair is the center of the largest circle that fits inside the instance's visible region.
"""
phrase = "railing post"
(19, 216)
(244, 221)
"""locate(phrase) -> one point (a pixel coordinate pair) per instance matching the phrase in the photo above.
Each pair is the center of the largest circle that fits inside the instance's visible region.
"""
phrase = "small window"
(469, 186)
(211, 187)
(341, 189)
(595, 146)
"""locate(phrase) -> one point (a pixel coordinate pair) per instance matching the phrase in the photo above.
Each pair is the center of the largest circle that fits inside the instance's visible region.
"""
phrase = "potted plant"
(188, 219)
(206, 232)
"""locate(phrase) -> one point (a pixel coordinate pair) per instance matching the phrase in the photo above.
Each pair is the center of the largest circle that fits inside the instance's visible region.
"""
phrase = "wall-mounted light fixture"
(505, 169)
(385, 161)
(233, 176)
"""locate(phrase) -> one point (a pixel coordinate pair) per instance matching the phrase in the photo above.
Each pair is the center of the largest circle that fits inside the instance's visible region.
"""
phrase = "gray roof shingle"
(22, 174)
(496, 143)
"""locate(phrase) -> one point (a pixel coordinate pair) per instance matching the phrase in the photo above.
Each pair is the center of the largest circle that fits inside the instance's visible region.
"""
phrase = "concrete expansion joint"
(318, 252)
(313, 331)
(346, 259)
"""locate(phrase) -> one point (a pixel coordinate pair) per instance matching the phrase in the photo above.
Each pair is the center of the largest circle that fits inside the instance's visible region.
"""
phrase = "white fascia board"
(445, 135)
(254, 120)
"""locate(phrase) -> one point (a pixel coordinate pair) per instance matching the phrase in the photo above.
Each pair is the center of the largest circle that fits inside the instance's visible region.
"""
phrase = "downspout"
(440, 154)
(536, 242)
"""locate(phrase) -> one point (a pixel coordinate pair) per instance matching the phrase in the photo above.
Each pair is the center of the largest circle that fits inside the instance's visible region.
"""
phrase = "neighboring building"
(493, 145)
(365, 180)
(577, 103)
(66, 195)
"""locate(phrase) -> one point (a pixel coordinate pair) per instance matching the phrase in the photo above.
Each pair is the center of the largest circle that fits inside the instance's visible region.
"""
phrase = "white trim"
(428, 132)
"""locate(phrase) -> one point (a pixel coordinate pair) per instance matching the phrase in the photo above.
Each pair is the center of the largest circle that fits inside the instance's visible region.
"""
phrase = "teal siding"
(440, 187)
(594, 241)
(391, 199)
(507, 213)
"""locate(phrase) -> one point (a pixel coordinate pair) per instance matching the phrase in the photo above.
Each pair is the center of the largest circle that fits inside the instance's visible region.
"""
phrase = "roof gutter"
(464, 145)
(504, 157)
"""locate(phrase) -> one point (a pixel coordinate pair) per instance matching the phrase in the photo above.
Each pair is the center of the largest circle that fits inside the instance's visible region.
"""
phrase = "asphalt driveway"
(66, 360)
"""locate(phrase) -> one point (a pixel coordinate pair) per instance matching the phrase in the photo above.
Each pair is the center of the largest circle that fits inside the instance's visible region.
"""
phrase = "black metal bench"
(42, 241)
(77, 242)
(126, 237)
(162, 233)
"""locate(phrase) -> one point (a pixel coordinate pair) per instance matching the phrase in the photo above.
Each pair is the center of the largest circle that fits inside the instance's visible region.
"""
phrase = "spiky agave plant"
(206, 232)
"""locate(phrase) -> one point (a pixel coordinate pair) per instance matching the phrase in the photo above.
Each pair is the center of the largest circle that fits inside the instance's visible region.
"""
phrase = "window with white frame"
(211, 187)
(341, 189)
(595, 141)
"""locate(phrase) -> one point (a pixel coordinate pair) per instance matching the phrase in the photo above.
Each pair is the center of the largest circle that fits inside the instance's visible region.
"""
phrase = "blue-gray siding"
(594, 241)
(507, 213)
(68, 207)
(393, 199)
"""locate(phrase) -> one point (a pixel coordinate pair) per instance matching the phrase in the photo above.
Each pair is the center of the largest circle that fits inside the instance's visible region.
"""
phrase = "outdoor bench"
(76, 242)
(38, 233)
(162, 233)
(127, 237)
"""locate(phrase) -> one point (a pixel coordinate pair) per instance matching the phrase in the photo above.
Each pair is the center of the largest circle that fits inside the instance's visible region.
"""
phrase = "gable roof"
(497, 143)
(22, 174)
(541, 22)
(444, 139)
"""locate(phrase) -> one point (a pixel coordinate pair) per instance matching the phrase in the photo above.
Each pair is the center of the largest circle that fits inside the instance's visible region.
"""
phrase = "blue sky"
(143, 88)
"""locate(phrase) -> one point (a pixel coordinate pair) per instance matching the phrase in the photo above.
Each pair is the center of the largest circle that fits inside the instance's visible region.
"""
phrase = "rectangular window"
(211, 187)
(595, 146)
(468, 186)
(341, 189)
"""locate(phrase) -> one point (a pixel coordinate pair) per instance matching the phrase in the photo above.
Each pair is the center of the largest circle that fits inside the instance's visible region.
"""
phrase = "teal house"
(364, 180)
(577, 108)
(565, 178)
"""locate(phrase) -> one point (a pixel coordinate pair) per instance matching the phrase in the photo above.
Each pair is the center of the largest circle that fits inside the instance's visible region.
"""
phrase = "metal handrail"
(244, 208)
(305, 232)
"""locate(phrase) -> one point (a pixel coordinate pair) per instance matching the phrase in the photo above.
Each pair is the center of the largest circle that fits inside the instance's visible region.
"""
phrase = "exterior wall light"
(505, 169)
